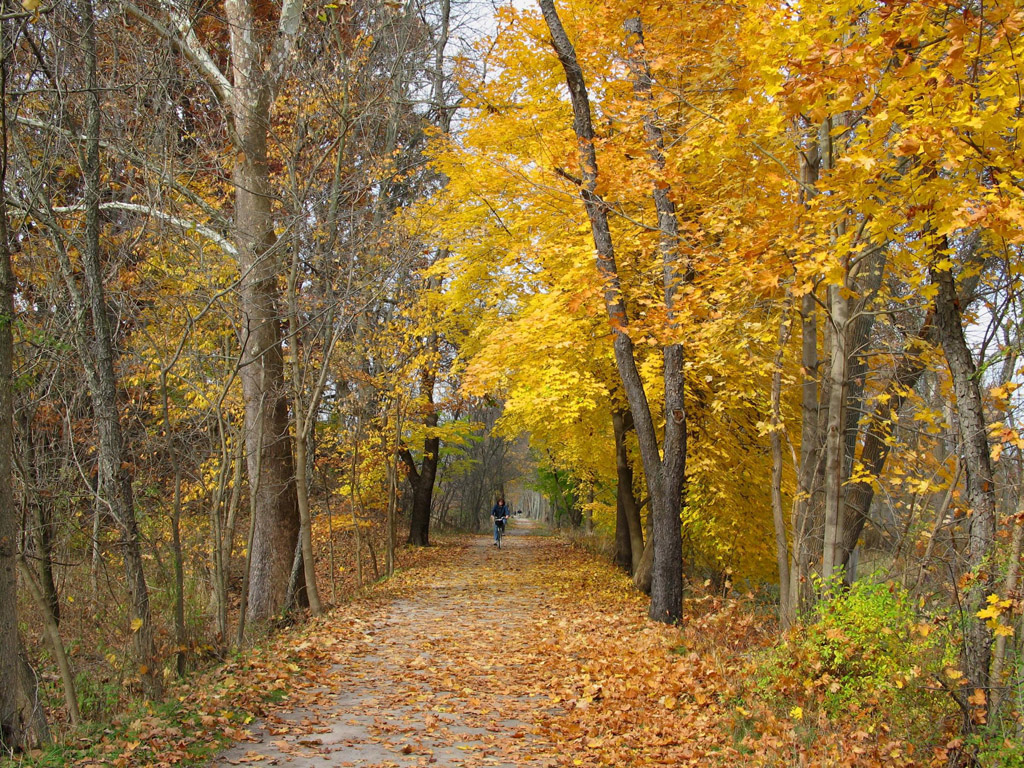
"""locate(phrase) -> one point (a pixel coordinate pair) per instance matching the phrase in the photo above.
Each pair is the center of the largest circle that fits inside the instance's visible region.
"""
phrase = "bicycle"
(499, 529)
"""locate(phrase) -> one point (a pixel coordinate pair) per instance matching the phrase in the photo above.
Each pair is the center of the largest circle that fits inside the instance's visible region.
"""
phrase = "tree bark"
(999, 690)
(632, 534)
(834, 438)
(976, 461)
(52, 632)
(257, 68)
(667, 569)
(42, 513)
(304, 429)
(875, 448)
(775, 438)
(642, 572)
(422, 480)
(810, 454)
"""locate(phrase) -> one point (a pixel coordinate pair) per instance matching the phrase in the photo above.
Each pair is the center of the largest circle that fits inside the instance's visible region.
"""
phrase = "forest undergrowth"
(861, 686)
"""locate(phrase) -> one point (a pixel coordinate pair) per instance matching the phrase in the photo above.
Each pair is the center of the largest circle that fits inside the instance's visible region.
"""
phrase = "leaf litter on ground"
(537, 654)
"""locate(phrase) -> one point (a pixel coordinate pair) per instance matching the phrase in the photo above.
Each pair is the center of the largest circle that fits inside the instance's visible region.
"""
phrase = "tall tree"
(16, 703)
(665, 463)
(260, 52)
(114, 458)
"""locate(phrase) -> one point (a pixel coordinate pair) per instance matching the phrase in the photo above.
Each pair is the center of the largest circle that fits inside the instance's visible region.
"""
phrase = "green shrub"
(863, 654)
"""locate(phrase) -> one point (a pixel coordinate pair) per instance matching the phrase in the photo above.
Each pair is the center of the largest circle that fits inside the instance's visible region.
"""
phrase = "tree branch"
(189, 226)
(185, 41)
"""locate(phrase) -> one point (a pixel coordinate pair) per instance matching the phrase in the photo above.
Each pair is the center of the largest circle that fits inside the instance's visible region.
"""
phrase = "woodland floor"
(538, 655)
(510, 657)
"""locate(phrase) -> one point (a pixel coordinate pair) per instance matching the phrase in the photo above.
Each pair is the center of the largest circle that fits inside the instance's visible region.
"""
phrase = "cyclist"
(499, 515)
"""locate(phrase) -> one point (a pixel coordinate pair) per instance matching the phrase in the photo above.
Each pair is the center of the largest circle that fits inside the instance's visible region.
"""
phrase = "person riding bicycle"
(499, 515)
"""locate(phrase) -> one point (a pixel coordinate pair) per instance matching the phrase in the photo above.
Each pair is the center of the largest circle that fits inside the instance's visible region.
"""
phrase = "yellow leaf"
(136, 624)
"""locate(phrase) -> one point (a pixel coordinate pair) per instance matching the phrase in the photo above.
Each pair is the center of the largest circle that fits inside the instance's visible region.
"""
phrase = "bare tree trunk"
(802, 512)
(422, 480)
(977, 651)
(52, 632)
(42, 515)
(302, 495)
(113, 455)
(16, 717)
(176, 553)
(667, 569)
(1009, 587)
(803, 503)
(392, 513)
(623, 557)
(247, 570)
(876, 444)
(834, 438)
(353, 484)
(259, 56)
(642, 572)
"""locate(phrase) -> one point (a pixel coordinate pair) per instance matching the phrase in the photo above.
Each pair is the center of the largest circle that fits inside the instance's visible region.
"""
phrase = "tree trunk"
(52, 632)
(664, 476)
(977, 651)
(276, 525)
(422, 480)
(303, 432)
(642, 572)
(113, 454)
(875, 449)
(623, 553)
(801, 556)
(999, 690)
(16, 721)
(775, 436)
(42, 513)
(633, 533)
(834, 437)
(810, 442)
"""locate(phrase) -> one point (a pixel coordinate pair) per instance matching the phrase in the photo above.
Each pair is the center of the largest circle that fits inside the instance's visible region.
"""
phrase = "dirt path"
(435, 679)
